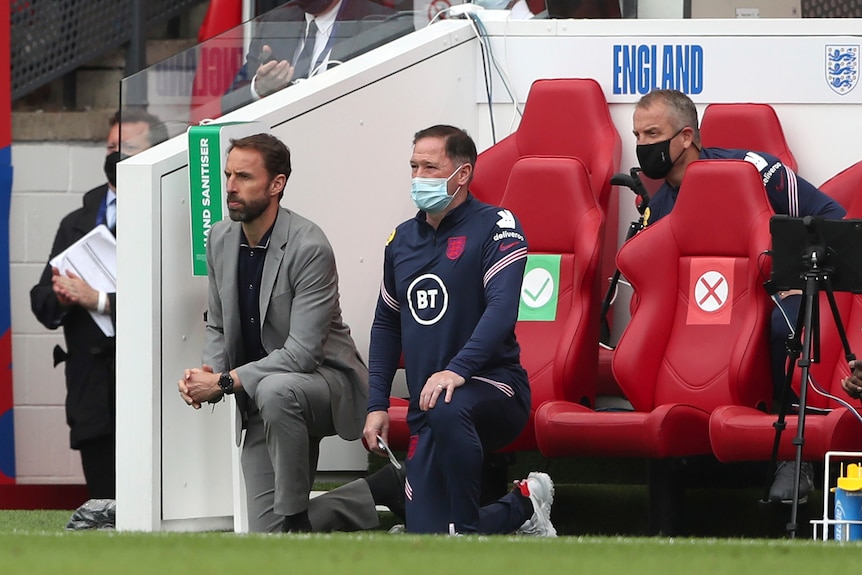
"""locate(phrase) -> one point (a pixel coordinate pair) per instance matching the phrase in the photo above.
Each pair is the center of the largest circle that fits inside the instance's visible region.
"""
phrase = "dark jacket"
(90, 355)
(361, 27)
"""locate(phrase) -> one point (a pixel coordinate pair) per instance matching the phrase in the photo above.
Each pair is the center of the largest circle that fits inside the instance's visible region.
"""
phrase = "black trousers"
(99, 459)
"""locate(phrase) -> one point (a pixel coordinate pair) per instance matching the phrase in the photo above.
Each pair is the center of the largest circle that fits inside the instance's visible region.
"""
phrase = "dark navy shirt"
(788, 193)
(449, 300)
(250, 273)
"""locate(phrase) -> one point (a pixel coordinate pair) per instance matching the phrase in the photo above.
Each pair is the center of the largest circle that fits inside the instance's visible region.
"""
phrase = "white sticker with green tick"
(540, 288)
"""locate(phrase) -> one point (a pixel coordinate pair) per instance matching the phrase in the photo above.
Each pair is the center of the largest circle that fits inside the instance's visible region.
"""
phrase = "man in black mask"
(67, 301)
(668, 140)
(304, 37)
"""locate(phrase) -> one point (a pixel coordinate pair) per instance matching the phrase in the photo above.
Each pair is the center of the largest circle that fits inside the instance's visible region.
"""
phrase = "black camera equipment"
(811, 254)
(634, 183)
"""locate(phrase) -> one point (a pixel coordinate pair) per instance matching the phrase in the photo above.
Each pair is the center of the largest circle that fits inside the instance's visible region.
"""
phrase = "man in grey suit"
(275, 338)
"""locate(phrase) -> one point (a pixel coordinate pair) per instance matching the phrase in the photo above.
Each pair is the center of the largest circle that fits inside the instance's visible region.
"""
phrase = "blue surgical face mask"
(431, 195)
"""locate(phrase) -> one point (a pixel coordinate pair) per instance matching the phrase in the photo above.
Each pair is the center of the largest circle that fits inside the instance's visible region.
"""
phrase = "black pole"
(136, 51)
(133, 88)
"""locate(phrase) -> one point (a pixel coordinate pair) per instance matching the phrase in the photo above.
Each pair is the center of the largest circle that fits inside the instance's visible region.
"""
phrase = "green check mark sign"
(540, 288)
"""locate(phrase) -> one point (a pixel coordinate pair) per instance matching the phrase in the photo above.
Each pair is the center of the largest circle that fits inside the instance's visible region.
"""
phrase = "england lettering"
(640, 68)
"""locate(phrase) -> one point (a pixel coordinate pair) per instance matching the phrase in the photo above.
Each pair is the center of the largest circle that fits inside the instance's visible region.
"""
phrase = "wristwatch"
(225, 382)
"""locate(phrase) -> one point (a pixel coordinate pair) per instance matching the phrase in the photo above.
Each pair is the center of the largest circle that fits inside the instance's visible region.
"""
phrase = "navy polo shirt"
(249, 277)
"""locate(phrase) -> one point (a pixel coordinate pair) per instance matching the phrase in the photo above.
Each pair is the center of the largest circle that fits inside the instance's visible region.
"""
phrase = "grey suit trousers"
(287, 418)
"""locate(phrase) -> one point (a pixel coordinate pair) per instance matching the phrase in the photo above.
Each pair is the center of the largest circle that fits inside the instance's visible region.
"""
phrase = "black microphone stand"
(634, 183)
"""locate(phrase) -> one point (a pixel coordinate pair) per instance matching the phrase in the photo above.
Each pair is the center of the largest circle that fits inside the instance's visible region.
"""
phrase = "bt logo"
(428, 299)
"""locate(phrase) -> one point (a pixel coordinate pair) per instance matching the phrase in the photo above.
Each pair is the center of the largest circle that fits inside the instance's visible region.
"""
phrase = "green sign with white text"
(540, 288)
(208, 146)
(204, 190)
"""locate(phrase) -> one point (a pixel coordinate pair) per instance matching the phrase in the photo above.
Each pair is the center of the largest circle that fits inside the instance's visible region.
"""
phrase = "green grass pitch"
(35, 542)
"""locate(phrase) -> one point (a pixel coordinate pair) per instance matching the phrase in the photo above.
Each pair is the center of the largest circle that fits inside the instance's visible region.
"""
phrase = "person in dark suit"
(279, 343)
(67, 301)
(303, 37)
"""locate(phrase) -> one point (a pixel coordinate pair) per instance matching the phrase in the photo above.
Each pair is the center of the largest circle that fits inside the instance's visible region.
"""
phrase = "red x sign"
(711, 281)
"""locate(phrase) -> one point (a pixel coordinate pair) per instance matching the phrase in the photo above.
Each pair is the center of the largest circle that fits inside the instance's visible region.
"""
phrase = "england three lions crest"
(842, 67)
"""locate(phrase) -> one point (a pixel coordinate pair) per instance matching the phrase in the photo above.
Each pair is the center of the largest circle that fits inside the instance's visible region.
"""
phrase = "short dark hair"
(682, 109)
(157, 133)
(276, 156)
(460, 147)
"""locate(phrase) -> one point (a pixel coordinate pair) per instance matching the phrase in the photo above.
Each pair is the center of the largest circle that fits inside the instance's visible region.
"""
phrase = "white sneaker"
(540, 489)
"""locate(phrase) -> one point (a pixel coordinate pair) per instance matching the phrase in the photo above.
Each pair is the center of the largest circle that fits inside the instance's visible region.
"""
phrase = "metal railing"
(51, 38)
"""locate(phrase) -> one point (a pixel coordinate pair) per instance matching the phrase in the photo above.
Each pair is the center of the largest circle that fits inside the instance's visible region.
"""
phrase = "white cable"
(517, 111)
(485, 48)
(439, 15)
(504, 76)
(790, 326)
(816, 387)
(323, 67)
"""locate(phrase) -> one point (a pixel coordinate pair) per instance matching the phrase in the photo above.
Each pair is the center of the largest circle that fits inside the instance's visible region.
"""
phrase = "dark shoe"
(297, 523)
(782, 485)
(397, 507)
(387, 488)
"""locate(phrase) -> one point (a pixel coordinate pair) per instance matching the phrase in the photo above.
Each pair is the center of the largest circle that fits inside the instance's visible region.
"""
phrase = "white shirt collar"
(325, 22)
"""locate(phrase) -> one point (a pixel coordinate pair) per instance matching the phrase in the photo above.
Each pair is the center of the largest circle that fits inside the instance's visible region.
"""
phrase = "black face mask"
(655, 158)
(313, 6)
(111, 161)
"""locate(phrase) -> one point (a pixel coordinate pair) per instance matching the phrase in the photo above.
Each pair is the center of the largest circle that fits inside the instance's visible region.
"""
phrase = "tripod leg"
(793, 347)
(810, 333)
(842, 333)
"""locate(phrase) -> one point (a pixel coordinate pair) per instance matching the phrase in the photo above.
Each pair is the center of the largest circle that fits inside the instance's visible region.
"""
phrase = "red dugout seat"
(742, 434)
(845, 185)
(697, 340)
(554, 202)
(562, 117)
(746, 126)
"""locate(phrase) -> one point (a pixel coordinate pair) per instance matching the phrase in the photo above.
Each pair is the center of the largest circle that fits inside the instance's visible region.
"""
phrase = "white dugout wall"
(350, 134)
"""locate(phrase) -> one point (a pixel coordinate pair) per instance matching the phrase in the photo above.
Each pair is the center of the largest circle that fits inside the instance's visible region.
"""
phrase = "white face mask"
(431, 195)
(492, 4)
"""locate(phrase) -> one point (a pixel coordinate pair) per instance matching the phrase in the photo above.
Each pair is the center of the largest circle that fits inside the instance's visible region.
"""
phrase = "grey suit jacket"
(301, 325)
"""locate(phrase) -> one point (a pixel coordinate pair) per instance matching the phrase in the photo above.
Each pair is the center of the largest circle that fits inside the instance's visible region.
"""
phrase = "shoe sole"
(790, 501)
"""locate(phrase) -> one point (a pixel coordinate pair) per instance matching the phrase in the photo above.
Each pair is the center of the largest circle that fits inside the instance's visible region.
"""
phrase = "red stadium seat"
(562, 117)
(748, 127)
(553, 201)
(697, 339)
(844, 186)
(739, 433)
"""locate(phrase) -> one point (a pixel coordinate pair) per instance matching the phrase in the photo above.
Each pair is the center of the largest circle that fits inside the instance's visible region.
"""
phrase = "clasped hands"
(72, 290)
(199, 385)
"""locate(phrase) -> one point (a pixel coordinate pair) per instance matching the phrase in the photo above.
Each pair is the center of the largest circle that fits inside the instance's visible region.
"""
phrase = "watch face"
(225, 381)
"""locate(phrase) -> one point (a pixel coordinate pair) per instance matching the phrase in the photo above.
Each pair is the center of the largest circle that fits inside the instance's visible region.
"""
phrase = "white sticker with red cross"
(710, 291)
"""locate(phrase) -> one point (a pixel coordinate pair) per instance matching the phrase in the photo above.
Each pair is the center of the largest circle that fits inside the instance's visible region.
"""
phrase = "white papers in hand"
(93, 258)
